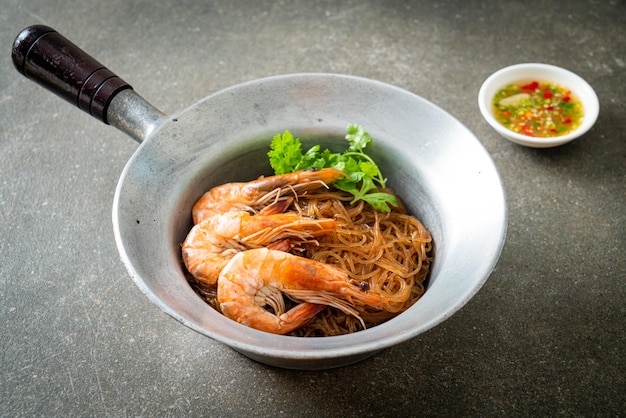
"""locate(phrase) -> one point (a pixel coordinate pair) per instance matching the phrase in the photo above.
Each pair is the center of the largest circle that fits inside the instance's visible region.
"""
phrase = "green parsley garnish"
(364, 179)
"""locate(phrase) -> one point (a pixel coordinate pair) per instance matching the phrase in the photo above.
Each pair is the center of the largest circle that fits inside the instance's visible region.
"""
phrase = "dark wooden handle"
(49, 59)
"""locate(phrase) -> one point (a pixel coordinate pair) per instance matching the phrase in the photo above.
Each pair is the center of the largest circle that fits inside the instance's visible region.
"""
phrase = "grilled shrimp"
(211, 243)
(262, 192)
(255, 279)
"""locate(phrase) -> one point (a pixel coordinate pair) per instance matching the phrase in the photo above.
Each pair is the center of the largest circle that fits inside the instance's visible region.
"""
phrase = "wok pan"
(439, 168)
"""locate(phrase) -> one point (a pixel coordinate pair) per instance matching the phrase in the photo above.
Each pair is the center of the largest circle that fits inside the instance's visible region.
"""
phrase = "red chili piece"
(531, 86)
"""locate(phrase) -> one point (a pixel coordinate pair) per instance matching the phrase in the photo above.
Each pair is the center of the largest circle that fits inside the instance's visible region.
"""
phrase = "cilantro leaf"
(357, 137)
(285, 153)
(380, 201)
(364, 177)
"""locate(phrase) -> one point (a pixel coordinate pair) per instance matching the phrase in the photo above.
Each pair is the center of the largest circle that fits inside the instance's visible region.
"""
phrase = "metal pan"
(444, 175)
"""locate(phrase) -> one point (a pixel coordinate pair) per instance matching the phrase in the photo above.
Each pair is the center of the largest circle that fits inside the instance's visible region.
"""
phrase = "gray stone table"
(544, 336)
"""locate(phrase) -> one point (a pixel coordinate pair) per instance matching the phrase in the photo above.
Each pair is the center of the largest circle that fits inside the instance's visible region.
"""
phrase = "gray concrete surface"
(544, 337)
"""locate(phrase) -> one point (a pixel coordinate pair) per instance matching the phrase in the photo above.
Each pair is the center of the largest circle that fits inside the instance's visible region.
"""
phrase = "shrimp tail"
(254, 316)
(298, 316)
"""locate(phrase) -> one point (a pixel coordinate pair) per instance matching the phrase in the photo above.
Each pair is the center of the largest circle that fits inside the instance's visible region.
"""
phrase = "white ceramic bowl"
(539, 72)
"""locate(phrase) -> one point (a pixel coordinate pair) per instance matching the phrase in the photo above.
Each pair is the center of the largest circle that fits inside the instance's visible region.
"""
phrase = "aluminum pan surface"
(437, 166)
